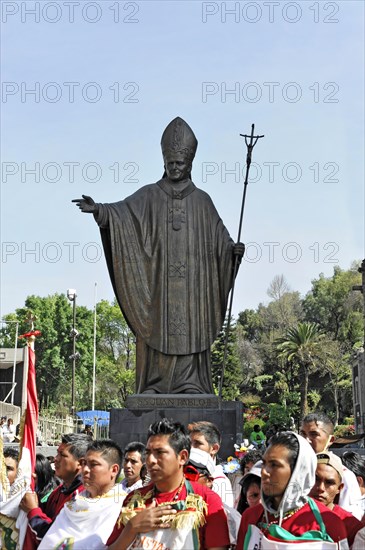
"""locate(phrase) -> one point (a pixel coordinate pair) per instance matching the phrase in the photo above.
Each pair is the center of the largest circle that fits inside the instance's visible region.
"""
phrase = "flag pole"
(250, 145)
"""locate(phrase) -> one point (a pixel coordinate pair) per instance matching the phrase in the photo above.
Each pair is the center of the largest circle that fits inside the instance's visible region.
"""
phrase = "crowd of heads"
(8, 430)
(172, 449)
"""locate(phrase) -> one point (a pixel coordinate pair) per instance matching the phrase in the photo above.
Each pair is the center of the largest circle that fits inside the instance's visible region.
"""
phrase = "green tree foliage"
(279, 416)
(301, 347)
(251, 325)
(335, 378)
(336, 310)
(115, 340)
(115, 356)
(335, 307)
(232, 373)
(285, 309)
(114, 383)
(260, 330)
(53, 316)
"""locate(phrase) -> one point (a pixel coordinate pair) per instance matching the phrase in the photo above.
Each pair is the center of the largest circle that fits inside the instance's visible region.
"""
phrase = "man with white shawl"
(87, 520)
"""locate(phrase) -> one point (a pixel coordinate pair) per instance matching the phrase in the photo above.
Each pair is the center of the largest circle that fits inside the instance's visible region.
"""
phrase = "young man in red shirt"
(328, 485)
(68, 467)
(287, 476)
(170, 510)
(206, 436)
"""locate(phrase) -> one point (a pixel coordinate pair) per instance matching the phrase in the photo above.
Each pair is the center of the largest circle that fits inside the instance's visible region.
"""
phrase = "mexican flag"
(13, 521)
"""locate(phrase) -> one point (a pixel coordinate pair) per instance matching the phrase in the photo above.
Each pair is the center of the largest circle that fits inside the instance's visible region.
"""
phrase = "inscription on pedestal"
(203, 401)
(131, 424)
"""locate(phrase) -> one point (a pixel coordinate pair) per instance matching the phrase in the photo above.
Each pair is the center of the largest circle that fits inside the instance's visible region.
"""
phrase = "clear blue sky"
(109, 76)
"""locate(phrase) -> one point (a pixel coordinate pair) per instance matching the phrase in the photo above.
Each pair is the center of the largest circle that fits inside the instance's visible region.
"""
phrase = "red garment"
(352, 524)
(297, 524)
(215, 531)
(54, 504)
(40, 522)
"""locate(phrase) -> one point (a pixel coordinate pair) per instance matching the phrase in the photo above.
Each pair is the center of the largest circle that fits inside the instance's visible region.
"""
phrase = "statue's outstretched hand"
(239, 250)
(86, 204)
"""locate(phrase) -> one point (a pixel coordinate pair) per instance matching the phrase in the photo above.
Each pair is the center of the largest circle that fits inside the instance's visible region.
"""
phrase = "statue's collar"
(177, 190)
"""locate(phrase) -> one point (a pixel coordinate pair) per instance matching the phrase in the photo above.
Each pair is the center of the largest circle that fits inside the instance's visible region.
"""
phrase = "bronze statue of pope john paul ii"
(170, 261)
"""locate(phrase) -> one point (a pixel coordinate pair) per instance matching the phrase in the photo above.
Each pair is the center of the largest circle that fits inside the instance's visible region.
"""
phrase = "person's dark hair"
(11, 452)
(77, 444)
(245, 485)
(199, 468)
(273, 429)
(251, 456)
(136, 447)
(46, 480)
(87, 430)
(256, 427)
(355, 463)
(249, 479)
(179, 439)
(109, 450)
(290, 442)
(207, 429)
(320, 417)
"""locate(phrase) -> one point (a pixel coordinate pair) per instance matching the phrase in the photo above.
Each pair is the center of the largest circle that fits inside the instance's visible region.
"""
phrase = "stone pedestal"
(131, 423)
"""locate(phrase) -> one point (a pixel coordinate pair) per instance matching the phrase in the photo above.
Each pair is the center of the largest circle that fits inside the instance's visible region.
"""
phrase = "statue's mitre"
(178, 137)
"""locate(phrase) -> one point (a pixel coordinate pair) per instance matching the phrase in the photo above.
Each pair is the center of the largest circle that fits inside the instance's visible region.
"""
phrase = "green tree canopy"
(301, 347)
(335, 307)
(114, 346)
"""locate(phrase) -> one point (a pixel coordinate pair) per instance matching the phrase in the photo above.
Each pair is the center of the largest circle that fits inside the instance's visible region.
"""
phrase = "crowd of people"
(173, 492)
(7, 429)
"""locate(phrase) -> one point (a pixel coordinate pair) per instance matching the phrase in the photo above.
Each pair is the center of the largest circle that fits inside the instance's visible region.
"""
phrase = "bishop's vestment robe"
(170, 260)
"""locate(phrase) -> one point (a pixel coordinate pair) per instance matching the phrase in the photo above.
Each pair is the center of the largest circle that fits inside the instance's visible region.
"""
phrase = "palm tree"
(301, 346)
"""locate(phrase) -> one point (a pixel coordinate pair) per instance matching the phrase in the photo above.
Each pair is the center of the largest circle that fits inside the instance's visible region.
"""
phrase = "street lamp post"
(71, 295)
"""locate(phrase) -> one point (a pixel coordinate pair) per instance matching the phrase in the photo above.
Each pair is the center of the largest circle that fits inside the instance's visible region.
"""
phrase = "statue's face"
(177, 166)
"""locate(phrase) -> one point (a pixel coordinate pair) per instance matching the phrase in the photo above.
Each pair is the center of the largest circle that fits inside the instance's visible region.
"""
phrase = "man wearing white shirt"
(86, 521)
(133, 466)
(8, 431)
(206, 437)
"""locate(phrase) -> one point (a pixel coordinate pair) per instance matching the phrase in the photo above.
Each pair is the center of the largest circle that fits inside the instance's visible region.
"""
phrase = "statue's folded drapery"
(170, 260)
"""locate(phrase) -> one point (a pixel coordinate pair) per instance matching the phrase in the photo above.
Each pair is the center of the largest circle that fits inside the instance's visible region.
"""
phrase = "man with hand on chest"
(170, 511)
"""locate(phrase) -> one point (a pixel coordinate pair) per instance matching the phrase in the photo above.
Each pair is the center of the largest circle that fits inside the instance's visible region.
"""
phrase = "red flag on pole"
(29, 439)
(13, 522)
